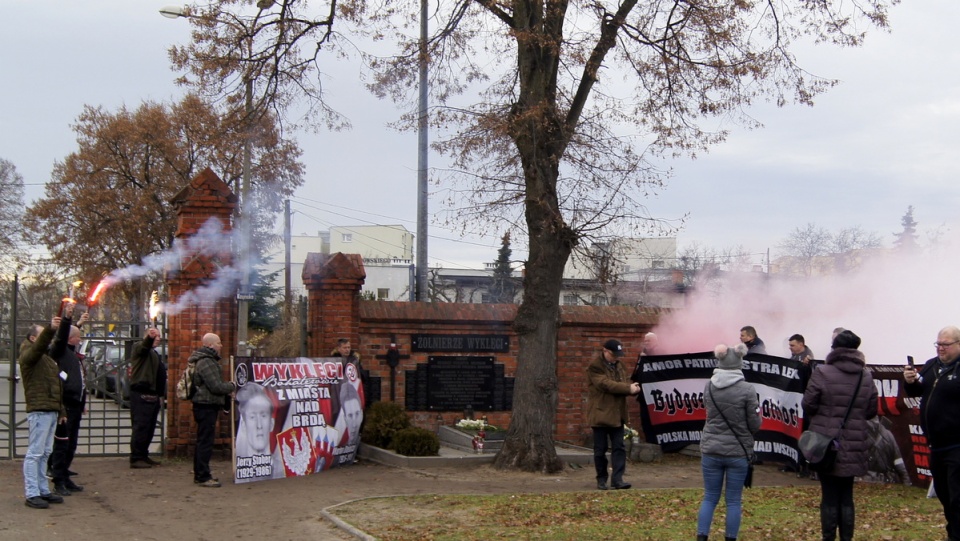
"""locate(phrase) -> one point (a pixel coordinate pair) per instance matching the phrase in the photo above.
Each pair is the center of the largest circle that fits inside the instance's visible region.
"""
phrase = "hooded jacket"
(211, 389)
(607, 391)
(41, 382)
(826, 400)
(728, 395)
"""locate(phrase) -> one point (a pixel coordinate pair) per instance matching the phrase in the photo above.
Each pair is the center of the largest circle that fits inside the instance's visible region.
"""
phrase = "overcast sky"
(884, 139)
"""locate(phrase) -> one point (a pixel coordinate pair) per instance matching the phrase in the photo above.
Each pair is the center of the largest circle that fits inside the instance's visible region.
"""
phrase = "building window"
(599, 300)
(570, 299)
(347, 237)
(657, 264)
(383, 293)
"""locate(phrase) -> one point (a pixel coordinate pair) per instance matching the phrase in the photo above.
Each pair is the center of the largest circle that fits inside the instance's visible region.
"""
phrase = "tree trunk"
(529, 442)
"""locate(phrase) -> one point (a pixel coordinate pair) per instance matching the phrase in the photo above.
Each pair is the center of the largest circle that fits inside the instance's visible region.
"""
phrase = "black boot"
(701, 538)
(828, 523)
(730, 539)
(846, 523)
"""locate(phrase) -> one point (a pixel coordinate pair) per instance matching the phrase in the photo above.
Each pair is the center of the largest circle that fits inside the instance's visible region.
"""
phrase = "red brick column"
(333, 284)
(204, 198)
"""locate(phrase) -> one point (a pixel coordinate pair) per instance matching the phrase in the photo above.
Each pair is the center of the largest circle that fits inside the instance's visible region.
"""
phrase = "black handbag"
(751, 458)
(819, 449)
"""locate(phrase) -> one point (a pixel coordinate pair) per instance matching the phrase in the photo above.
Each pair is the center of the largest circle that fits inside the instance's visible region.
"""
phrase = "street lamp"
(244, 296)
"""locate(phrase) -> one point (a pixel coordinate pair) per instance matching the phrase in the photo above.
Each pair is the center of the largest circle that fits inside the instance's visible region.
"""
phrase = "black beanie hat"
(846, 339)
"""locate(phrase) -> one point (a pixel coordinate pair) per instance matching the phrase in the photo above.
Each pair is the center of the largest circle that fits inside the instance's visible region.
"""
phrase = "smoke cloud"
(896, 304)
(210, 240)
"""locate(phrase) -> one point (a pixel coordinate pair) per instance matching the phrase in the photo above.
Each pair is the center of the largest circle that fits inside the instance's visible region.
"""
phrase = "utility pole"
(287, 300)
(422, 215)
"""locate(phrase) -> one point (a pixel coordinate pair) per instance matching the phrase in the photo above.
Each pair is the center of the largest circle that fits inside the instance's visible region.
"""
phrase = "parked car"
(105, 364)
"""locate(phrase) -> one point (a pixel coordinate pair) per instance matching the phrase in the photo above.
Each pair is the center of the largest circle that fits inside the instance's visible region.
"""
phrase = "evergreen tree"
(504, 287)
(907, 239)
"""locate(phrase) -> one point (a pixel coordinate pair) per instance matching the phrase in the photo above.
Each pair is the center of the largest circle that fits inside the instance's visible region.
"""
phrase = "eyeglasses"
(945, 344)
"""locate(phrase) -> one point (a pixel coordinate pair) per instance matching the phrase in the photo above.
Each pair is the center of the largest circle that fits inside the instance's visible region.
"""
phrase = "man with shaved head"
(212, 392)
(938, 385)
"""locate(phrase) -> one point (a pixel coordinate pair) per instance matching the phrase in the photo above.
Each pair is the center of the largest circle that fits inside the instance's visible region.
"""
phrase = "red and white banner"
(673, 411)
(295, 416)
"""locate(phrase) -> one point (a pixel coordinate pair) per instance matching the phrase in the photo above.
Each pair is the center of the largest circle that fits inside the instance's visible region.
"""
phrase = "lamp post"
(244, 296)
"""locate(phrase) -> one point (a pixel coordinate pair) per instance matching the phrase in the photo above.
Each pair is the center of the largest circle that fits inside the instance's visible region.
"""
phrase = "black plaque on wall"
(453, 383)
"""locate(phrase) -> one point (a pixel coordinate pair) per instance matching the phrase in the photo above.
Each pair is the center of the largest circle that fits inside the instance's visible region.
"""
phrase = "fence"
(106, 428)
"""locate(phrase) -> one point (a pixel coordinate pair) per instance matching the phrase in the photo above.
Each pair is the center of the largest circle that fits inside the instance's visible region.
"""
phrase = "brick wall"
(205, 197)
(373, 325)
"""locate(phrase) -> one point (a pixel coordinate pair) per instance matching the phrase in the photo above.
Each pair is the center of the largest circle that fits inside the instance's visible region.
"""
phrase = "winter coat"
(71, 367)
(940, 392)
(41, 380)
(756, 346)
(148, 373)
(826, 400)
(728, 393)
(607, 391)
(211, 388)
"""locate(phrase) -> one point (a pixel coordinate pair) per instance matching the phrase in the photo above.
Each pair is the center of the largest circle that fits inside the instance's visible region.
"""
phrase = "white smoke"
(209, 241)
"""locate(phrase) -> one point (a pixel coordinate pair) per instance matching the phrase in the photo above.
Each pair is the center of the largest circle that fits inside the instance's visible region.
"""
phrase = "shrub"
(415, 441)
(381, 421)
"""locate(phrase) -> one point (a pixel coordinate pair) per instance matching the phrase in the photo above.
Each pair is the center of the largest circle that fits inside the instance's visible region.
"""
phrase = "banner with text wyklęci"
(673, 412)
(295, 416)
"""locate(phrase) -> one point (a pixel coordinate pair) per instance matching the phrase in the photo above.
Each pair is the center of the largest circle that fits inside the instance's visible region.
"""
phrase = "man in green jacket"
(42, 391)
(212, 392)
(607, 391)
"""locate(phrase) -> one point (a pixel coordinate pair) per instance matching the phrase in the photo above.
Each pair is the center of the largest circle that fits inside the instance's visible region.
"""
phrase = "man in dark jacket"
(64, 351)
(607, 391)
(148, 386)
(41, 390)
(209, 399)
(938, 385)
(748, 335)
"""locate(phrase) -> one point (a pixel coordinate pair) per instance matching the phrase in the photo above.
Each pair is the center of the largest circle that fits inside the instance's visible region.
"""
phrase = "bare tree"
(550, 111)
(812, 249)
(11, 210)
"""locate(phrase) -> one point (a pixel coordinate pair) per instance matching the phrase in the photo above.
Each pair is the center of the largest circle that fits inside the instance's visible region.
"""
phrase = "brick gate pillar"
(206, 197)
(333, 284)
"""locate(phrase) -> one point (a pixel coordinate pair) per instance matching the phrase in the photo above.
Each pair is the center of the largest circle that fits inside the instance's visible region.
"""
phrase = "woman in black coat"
(828, 396)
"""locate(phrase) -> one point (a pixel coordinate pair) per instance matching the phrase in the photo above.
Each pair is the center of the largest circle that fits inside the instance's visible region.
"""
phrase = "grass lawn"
(884, 513)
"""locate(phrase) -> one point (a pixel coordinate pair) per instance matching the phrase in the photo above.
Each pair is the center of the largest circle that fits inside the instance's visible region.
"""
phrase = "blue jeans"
(714, 469)
(42, 426)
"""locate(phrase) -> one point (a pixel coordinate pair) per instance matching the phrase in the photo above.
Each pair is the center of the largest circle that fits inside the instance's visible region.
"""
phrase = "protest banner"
(297, 416)
(673, 412)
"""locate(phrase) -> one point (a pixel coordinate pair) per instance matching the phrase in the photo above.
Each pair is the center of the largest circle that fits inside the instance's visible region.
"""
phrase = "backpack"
(186, 388)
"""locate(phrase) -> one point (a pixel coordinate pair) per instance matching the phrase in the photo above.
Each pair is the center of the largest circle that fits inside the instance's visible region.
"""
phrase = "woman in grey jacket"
(733, 417)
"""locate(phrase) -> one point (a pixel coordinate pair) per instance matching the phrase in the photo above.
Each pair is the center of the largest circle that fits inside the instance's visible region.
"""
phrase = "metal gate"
(106, 427)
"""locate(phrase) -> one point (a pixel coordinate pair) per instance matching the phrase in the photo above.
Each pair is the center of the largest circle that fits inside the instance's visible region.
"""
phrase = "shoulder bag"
(751, 458)
(820, 450)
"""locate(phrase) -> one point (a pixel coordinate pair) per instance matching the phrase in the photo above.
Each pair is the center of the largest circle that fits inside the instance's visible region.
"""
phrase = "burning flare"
(96, 292)
(155, 306)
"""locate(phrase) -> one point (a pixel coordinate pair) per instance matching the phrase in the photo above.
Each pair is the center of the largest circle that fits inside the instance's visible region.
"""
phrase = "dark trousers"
(206, 417)
(945, 468)
(618, 455)
(144, 410)
(836, 507)
(65, 445)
